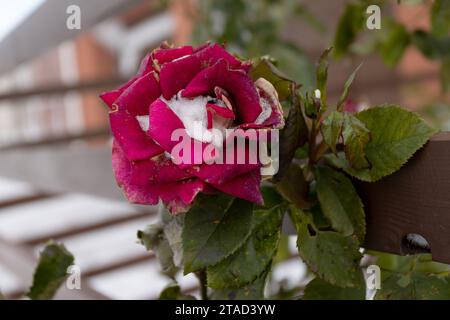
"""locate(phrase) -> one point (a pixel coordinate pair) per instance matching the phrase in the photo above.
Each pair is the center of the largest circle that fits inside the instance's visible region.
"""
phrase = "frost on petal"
(272, 111)
(164, 55)
(163, 123)
(236, 82)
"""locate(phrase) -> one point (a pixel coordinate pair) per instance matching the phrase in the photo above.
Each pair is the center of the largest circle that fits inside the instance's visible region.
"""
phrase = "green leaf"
(440, 17)
(332, 129)
(253, 258)
(154, 239)
(293, 136)
(265, 69)
(50, 272)
(214, 228)
(312, 106)
(294, 188)
(173, 292)
(350, 23)
(414, 286)
(347, 86)
(355, 136)
(412, 277)
(253, 291)
(396, 134)
(318, 289)
(330, 255)
(431, 46)
(322, 76)
(445, 75)
(392, 48)
(340, 203)
(271, 197)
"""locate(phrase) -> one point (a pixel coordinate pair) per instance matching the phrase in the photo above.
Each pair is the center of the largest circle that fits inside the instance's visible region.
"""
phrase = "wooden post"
(414, 200)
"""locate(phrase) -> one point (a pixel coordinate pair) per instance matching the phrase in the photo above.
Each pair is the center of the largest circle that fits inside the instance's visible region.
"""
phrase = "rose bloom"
(187, 88)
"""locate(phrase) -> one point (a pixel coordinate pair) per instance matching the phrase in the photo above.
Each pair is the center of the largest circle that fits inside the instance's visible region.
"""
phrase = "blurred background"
(55, 174)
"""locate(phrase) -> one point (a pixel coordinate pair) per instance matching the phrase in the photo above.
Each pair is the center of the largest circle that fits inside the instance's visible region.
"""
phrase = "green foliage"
(431, 46)
(350, 24)
(294, 188)
(394, 44)
(50, 272)
(347, 86)
(293, 136)
(331, 255)
(250, 27)
(413, 277)
(332, 129)
(318, 289)
(340, 203)
(264, 68)
(445, 74)
(355, 136)
(153, 238)
(396, 134)
(440, 17)
(254, 256)
(322, 76)
(253, 291)
(214, 228)
(173, 292)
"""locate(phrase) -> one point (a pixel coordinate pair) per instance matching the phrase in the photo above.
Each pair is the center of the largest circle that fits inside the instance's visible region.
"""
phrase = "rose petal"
(138, 97)
(163, 122)
(236, 82)
(178, 196)
(123, 170)
(110, 97)
(245, 186)
(269, 99)
(177, 74)
(158, 169)
(162, 55)
(220, 173)
(136, 144)
(224, 112)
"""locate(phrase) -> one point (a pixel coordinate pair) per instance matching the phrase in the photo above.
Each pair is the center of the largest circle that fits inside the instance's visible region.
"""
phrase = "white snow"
(144, 122)
(193, 115)
(266, 111)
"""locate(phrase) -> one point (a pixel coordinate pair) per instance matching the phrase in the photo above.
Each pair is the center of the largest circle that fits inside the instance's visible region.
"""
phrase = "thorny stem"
(201, 275)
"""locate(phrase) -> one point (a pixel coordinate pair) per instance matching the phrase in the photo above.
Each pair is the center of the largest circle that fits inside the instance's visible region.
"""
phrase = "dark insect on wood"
(409, 211)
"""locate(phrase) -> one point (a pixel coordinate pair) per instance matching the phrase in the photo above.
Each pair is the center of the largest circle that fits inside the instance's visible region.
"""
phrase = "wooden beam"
(416, 199)
(62, 89)
(46, 28)
(91, 134)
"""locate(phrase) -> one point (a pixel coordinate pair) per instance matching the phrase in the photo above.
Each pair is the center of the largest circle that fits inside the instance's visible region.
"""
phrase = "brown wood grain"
(416, 199)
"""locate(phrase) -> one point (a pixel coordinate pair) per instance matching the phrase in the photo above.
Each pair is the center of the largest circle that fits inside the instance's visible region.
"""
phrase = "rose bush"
(201, 91)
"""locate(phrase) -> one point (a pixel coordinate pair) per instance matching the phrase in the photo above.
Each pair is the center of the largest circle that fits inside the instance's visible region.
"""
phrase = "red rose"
(186, 89)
